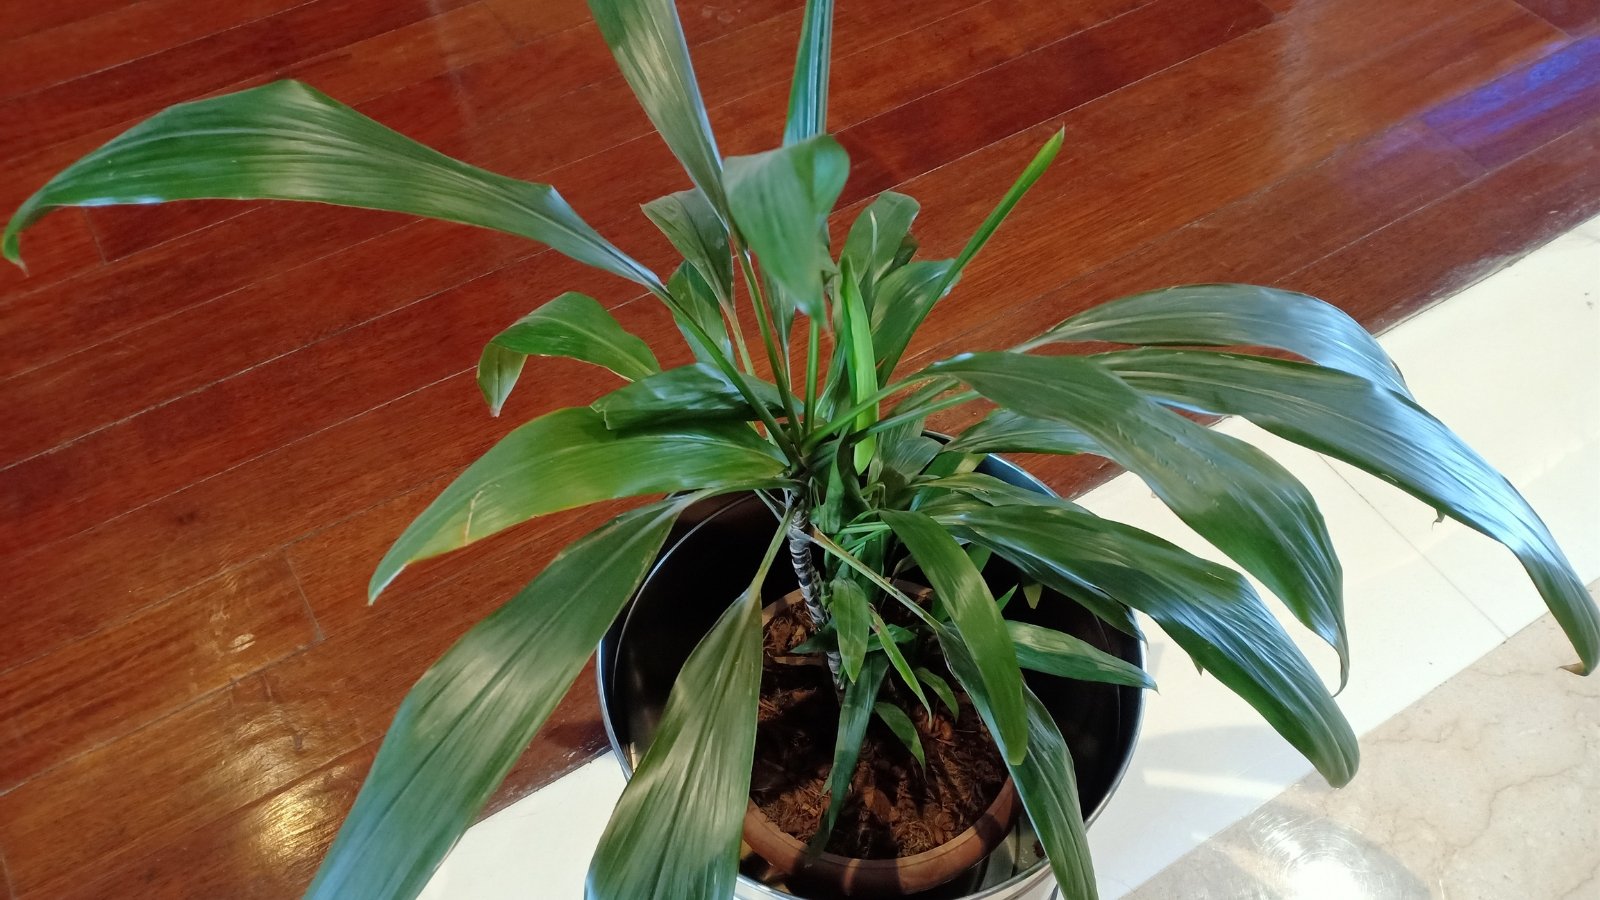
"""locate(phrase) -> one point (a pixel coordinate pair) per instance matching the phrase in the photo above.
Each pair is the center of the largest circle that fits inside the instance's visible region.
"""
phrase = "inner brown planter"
(963, 792)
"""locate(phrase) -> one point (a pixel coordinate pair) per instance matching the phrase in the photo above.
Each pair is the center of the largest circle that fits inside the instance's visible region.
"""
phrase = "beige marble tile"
(1483, 790)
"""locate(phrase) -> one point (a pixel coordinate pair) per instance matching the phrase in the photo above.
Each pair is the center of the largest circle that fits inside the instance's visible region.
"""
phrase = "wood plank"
(962, 118)
(143, 86)
(267, 850)
(1576, 16)
(1109, 211)
(1261, 238)
(1535, 104)
(1464, 237)
(122, 799)
(243, 743)
(29, 18)
(117, 36)
(125, 675)
(486, 80)
(451, 42)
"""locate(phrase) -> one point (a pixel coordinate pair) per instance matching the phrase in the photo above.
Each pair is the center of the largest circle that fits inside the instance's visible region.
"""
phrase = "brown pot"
(879, 877)
(885, 877)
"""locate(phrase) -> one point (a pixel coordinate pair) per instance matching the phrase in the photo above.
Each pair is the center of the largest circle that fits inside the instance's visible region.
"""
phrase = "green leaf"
(569, 458)
(675, 831)
(849, 610)
(888, 641)
(688, 394)
(1236, 314)
(1030, 174)
(287, 141)
(1005, 431)
(697, 303)
(647, 40)
(855, 713)
(472, 714)
(1044, 778)
(1058, 653)
(691, 223)
(901, 303)
(780, 200)
(876, 237)
(940, 688)
(900, 723)
(808, 95)
(1209, 610)
(972, 609)
(1230, 493)
(571, 325)
(1375, 429)
(969, 490)
(858, 360)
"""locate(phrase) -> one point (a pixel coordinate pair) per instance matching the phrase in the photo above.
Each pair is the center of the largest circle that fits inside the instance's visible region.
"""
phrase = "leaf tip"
(1579, 668)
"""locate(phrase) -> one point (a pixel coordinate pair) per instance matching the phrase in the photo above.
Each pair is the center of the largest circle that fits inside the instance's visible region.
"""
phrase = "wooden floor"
(214, 417)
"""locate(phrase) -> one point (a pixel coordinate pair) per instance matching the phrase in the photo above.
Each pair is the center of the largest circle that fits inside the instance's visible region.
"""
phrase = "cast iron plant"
(831, 436)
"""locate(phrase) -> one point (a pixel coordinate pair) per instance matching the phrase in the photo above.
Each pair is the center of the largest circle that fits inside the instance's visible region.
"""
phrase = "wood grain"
(219, 415)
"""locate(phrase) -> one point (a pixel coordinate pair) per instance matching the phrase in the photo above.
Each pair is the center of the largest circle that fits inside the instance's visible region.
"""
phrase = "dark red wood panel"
(219, 416)
(1576, 16)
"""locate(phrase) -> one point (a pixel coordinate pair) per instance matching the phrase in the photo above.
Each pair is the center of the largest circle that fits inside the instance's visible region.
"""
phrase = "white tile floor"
(1512, 364)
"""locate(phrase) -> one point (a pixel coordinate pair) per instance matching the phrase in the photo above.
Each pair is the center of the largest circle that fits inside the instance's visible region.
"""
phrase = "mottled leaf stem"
(805, 570)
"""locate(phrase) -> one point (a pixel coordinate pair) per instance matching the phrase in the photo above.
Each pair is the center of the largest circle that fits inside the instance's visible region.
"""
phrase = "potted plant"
(913, 558)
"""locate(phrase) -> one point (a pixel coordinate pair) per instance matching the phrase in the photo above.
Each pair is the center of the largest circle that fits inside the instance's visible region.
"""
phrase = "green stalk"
(813, 350)
(780, 370)
(785, 442)
(844, 556)
(922, 412)
(848, 417)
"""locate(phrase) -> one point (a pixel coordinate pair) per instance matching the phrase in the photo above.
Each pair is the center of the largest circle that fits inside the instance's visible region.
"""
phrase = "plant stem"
(764, 319)
(805, 569)
(790, 447)
(813, 346)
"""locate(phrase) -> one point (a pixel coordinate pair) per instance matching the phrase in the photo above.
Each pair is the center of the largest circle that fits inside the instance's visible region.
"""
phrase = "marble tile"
(1483, 790)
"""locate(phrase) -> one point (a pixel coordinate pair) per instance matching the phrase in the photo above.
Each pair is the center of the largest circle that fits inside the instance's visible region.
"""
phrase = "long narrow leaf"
(1382, 432)
(1031, 173)
(647, 40)
(572, 325)
(855, 713)
(472, 714)
(688, 394)
(780, 201)
(1230, 493)
(856, 340)
(1209, 610)
(1058, 653)
(675, 831)
(850, 611)
(900, 723)
(961, 589)
(1044, 778)
(569, 458)
(1007, 431)
(287, 141)
(808, 95)
(1236, 314)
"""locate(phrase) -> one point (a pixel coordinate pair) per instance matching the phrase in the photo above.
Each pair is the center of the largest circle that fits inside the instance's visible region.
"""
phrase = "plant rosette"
(794, 386)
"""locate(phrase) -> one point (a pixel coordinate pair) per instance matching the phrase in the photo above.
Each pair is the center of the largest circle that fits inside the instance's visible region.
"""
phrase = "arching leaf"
(1230, 493)
(572, 325)
(288, 141)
